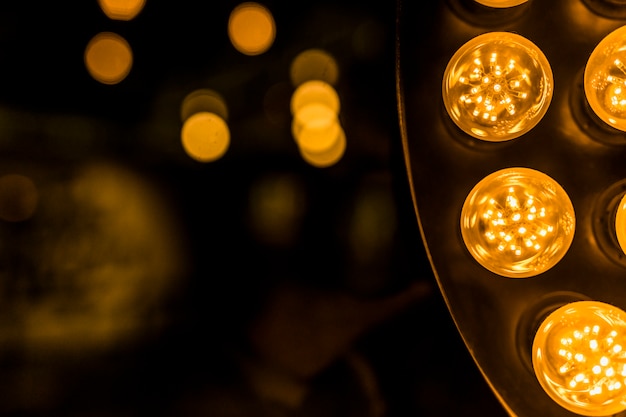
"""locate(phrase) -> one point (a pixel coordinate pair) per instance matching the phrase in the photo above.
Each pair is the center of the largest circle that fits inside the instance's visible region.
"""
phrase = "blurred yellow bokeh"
(108, 58)
(314, 64)
(205, 137)
(251, 28)
(203, 100)
(314, 91)
(327, 157)
(121, 9)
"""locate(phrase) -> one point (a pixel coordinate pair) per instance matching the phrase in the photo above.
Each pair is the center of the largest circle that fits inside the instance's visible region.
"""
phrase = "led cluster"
(497, 86)
(517, 222)
(579, 357)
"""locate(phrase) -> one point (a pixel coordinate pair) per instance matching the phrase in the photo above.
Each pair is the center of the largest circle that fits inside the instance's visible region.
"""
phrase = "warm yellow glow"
(315, 91)
(620, 223)
(121, 9)
(497, 86)
(314, 64)
(251, 28)
(316, 128)
(500, 3)
(108, 58)
(517, 222)
(579, 357)
(203, 100)
(605, 79)
(328, 157)
(277, 205)
(205, 137)
(18, 198)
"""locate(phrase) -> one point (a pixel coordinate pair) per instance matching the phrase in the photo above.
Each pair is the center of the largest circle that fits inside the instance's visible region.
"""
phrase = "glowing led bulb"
(605, 79)
(579, 357)
(501, 3)
(620, 223)
(497, 86)
(517, 222)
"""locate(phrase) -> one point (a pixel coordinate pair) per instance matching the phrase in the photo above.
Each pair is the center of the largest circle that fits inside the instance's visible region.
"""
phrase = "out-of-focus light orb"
(18, 198)
(251, 28)
(108, 58)
(497, 86)
(500, 3)
(315, 91)
(579, 358)
(328, 157)
(205, 137)
(605, 79)
(315, 127)
(121, 9)
(314, 64)
(517, 222)
(620, 224)
(203, 100)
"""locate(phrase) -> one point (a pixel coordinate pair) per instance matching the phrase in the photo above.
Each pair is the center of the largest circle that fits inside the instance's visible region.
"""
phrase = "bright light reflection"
(108, 58)
(580, 360)
(314, 64)
(620, 224)
(205, 137)
(121, 9)
(18, 198)
(251, 28)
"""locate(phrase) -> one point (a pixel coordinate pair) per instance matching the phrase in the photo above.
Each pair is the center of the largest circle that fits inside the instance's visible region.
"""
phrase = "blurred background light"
(203, 100)
(205, 136)
(314, 64)
(108, 58)
(121, 9)
(251, 28)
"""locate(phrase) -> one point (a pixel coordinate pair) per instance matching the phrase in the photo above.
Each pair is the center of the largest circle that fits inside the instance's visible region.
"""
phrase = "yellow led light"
(579, 358)
(501, 3)
(605, 79)
(497, 86)
(517, 222)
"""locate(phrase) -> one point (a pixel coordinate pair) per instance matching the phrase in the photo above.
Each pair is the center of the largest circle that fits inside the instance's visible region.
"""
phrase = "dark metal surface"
(497, 316)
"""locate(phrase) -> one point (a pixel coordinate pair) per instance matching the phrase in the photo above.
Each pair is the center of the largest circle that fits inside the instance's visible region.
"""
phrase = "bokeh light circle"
(205, 137)
(251, 28)
(108, 58)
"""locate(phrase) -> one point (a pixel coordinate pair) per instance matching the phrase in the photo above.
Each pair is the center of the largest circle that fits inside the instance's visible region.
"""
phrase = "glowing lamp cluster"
(605, 79)
(517, 222)
(579, 358)
(315, 125)
(497, 86)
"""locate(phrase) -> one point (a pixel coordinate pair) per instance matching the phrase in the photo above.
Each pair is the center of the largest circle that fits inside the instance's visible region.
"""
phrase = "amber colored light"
(108, 58)
(579, 358)
(315, 127)
(620, 223)
(605, 79)
(251, 28)
(121, 9)
(205, 137)
(329, 156)
(18, 198)
(501, 3)
(497, 86)
(203, 100)
(314, 64)
(315, 91)
(517, 222)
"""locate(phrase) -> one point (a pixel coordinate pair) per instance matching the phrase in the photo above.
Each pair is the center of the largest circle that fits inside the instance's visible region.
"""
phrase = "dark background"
(338, 316)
